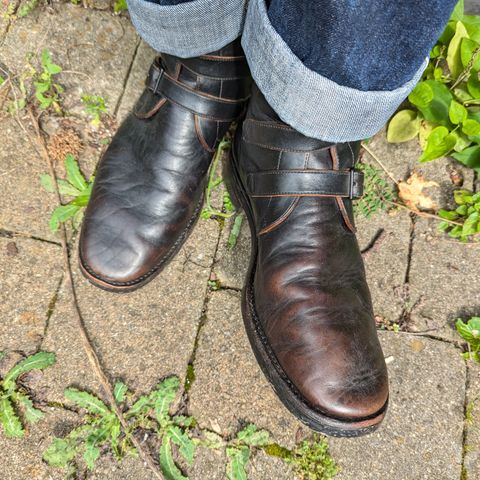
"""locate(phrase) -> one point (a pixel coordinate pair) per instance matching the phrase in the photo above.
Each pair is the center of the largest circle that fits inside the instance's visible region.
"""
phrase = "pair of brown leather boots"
(306, 303)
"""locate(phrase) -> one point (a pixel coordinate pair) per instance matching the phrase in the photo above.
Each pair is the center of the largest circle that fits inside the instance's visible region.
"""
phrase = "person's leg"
(150, 183)
(188, 28)
(327, 71)
(338, 69)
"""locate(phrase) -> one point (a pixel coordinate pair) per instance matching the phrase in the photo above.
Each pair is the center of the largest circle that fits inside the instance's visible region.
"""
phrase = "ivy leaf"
(167, 464)
(12, 426)
(37, 361)
(254, 437)
(74, 175)
(473, 85)
(164, 396)
(119, 391)
(86, 400)
(436, 110)
(184, 442)
(454, 60)
(404, 126)
(60, 452)
(458, 11)
(471, 127)
(457, 113)
(238, 459)
(421, 95)
(440, 142)
(467, 50)
(449, 215)
(469, 157)
(470, 224)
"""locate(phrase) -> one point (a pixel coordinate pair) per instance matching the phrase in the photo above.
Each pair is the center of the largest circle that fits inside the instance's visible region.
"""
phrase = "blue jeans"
(333, 69)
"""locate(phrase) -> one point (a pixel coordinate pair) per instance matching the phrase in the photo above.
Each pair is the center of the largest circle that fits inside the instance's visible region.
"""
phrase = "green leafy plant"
(47, 91)
(75, 186)
(470, 332)
(446, 103)
(466, 216)
(27, 8)
(239, 450)
(13, 397)
(101, 428)
(95, 106)
(214, 182)
(378, 195)
(311, 460)
(120, 6)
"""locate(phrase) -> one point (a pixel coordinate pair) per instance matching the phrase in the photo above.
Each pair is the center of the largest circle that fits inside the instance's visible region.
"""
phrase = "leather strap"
(292, 183)
(217, 67)
(202, 104)
(278, 136)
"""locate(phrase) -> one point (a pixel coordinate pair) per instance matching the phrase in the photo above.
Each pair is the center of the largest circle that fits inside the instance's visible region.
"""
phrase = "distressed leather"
(149, 185)
(310, 293)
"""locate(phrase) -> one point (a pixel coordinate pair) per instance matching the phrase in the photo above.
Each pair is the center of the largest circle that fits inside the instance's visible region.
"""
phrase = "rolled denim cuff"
(188, 29)
(304, 99)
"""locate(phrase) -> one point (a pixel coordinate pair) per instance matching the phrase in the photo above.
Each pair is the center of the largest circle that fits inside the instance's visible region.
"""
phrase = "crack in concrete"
(190, 370)
(5, 233)
(464, 473)
(127, 77)
(50, 310)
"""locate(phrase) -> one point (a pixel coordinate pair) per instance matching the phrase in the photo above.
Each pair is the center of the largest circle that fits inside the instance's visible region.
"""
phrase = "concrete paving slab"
(471, 461)
(30, 273)
(24, 205)
(140, 336)
(230, 387)
(95, 50)
(22, 457)
(384, 238)
(443, 281)
(421, 437)
(136, 80)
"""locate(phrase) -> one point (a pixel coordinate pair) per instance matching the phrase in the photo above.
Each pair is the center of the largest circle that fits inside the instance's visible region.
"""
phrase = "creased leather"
(309, 289)
(149, 184)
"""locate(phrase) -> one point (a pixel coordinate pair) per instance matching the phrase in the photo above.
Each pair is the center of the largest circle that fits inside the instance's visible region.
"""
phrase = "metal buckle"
(356, 178)
(158, 69)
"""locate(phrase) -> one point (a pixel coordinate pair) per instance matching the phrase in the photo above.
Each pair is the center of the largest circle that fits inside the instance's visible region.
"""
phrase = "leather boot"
(306, 304)
(149, 185)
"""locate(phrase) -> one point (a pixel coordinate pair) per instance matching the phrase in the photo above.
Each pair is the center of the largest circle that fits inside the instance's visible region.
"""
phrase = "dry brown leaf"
(411, 193)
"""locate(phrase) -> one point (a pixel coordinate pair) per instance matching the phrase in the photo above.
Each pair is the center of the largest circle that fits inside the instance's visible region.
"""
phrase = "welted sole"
(283, 387)
(88, 273)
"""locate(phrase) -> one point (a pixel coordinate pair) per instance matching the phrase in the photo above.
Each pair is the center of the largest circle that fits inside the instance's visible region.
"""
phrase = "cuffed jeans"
(335, 70)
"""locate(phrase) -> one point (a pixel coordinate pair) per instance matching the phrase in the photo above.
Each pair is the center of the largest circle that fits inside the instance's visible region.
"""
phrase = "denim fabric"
(188, 29)
(333, 69)
(367, 45)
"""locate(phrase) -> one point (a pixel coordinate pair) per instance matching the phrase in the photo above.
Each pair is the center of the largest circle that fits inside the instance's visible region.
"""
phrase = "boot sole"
(289, 395)
(127, 287)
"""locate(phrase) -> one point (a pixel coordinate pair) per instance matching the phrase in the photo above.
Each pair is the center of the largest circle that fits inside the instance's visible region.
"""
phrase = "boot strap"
(202, 104)
(217, 67)
(308, 183)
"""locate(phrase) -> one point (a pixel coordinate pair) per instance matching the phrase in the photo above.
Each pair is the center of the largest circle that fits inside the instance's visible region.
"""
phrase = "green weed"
(467, 214)
(12, 397)
(377, 195)
(75, 186)
(120, 6)
(95, 106)
(445, 114)
(47, 91)
(470, 332)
